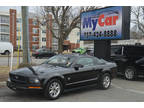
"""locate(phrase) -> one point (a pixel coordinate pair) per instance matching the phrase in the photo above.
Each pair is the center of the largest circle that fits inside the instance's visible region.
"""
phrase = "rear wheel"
(129, 73)
(105, 81)
(53, 89)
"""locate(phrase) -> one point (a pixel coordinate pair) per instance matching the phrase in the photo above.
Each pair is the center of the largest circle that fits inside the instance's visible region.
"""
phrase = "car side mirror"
(77, 66)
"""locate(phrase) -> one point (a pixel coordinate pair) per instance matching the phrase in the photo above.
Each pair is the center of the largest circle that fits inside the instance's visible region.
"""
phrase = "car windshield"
(60, 60)
(103, 61)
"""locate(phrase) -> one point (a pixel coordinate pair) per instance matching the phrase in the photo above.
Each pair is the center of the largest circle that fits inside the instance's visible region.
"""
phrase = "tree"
(138, 20)
(66, 19)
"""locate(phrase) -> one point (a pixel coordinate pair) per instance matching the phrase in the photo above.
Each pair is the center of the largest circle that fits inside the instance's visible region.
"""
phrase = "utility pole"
(25, 27)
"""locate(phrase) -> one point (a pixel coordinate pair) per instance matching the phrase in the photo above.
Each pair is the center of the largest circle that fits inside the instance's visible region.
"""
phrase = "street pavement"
(120, 91)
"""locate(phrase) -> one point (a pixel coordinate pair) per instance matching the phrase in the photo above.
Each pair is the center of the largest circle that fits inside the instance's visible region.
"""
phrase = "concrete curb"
(3, 83)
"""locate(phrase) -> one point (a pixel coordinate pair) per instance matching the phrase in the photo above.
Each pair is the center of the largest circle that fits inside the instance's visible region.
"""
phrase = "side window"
(85, 61)
(116, 50)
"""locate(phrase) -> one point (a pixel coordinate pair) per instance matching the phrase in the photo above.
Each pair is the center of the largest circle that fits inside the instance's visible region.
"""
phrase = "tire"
(105, 81)
(36, 57)
(130, 73)
(51, 87)
(6, 52)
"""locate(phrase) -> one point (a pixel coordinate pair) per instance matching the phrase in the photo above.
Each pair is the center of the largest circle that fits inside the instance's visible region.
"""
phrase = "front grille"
(18, 79)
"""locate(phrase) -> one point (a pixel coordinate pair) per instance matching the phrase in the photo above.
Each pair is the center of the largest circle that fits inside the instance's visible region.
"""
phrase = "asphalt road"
(120, 91)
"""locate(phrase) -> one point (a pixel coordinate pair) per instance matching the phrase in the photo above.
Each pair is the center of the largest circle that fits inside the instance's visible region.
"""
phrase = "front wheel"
(105, 81)
(53, 89)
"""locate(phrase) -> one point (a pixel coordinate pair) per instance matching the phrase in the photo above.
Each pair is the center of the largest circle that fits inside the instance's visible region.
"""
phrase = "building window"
(35, 22)
(4, 19)
(44, 39)
(4, 28)
(55, 41)
(18, 20)
(34, 47)
(35, 38)
(35, 30)
(4, 37)
(43, 31)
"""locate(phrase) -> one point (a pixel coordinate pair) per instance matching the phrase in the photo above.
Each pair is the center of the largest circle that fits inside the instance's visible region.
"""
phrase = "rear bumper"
(24, 87)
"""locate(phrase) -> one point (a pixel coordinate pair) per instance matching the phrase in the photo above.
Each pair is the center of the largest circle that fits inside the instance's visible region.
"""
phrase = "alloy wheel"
(106, 81)
(129, 73)
(54, 89)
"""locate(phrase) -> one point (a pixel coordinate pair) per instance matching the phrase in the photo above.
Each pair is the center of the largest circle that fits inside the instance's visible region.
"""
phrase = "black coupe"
(63, 72)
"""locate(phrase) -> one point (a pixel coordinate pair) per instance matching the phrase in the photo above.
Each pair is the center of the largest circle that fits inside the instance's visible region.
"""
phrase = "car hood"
(45, 68)
(40, 69)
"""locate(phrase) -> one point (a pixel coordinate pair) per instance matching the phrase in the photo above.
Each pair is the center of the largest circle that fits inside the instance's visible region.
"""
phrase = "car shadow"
(139, 79)
(38, 96)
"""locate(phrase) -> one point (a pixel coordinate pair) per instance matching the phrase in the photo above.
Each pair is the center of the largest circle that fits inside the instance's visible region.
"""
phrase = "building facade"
(4, 27)
(40, 36)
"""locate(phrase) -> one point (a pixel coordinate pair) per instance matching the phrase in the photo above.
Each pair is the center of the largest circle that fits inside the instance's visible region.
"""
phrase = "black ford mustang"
(62, 72)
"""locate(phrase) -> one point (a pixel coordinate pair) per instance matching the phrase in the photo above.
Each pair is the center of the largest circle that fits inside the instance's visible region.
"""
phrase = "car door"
(85, 74)
(118, 57)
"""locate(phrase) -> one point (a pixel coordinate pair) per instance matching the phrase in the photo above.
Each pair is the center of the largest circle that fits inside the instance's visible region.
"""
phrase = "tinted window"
(116, 50)
(85, 61)
(134, 50)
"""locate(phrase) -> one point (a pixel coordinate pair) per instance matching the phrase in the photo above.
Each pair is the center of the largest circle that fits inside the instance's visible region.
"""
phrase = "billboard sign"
(105, 24)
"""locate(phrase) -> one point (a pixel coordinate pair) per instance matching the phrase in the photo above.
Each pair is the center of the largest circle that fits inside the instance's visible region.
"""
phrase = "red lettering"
(115, 18)
(108, 21)
(100, 20)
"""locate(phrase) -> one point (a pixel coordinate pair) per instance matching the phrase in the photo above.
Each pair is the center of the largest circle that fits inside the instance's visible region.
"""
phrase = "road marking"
(129, 90)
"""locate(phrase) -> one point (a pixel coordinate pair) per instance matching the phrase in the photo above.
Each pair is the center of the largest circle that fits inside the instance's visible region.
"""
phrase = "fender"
(47, 78)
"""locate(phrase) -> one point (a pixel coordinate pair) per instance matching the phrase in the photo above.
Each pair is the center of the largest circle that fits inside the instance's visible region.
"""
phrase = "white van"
(5, 48)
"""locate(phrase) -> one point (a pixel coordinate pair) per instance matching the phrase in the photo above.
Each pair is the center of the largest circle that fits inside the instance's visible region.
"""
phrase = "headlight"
(34, 80)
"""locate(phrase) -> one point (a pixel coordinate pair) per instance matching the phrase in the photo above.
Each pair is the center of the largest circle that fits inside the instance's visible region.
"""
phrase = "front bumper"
(23, 87)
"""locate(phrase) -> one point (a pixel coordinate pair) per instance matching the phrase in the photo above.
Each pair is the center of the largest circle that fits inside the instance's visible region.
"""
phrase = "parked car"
(43, 52)
(62, 72)
(5, 48)
(79, 50)
(90, 52)
(129, 59)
